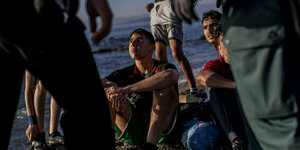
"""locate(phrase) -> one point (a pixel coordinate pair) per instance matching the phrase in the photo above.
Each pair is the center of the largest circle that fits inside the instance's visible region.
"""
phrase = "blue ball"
(200, 135)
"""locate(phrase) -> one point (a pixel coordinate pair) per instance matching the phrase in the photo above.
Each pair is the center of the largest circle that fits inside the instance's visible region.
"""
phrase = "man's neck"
(217, 47)
(144, 65)
(225, 58)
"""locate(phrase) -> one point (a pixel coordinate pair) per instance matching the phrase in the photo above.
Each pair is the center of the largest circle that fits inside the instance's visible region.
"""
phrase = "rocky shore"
(18, 140)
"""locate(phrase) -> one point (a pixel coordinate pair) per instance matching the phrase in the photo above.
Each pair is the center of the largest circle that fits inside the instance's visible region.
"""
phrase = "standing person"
(35, 99)
(143, 97)
(167, 29)
(261, 36)
(48, 40)
(210, 21)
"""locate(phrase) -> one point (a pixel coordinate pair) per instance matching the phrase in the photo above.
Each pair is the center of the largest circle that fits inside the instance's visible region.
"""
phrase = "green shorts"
(137, 129)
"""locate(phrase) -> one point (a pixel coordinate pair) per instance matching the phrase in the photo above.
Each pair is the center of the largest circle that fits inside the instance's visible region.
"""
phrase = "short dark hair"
(144, 32)
(212, 14)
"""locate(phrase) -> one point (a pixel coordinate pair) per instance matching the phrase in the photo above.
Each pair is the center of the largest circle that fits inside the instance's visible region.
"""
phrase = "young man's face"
(140, 46)
(209, 28)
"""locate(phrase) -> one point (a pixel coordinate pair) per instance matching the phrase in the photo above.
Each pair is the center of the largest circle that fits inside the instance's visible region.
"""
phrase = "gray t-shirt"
(163, 13)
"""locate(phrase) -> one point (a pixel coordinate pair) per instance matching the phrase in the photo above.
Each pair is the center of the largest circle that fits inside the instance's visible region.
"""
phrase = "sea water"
(198, 52)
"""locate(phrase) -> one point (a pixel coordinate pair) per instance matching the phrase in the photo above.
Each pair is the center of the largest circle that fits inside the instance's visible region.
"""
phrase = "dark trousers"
(61, 58)
(265, 67)
(230, 116)
(226, 111)
(252, 142)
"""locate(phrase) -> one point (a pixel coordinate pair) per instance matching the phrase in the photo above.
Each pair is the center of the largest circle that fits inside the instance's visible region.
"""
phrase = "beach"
(18, 140)
(198, 52)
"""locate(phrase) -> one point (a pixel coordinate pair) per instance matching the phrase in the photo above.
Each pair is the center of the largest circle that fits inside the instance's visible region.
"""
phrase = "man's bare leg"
(55, 111)
(120, 118)
(184, 64)
(161, 51)
(39, 105)
(162, 113)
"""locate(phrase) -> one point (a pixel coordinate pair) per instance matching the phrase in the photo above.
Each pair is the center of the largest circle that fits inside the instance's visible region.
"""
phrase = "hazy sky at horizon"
(127, 8)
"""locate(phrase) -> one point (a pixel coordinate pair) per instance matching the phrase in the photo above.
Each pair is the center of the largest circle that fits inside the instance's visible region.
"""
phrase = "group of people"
(252, 86)
(143, 97)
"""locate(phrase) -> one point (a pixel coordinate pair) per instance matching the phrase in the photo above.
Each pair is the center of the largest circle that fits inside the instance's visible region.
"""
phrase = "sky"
(129, 8)
(124, 8)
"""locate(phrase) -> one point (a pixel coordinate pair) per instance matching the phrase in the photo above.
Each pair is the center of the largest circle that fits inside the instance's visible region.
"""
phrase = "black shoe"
(37, 145)
(195, 97)
(238, 144)
(194, 91)
(39, 142)
(56, 138)
(148, 146)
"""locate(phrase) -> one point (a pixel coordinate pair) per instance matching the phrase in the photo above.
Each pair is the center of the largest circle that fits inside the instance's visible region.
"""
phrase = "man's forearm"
(28, 93)
(160, 80)
(102, 7)
(106, 83)
(209, 78)
(29, 104)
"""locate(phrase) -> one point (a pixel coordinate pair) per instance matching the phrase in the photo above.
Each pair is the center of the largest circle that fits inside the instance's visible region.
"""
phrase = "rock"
(120, 48)
(183, 88)
(160, 147)
(111, 38)
(202, 37)
(103, 50)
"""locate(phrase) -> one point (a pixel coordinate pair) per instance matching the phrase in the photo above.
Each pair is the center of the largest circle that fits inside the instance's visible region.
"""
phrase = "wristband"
(32, 120)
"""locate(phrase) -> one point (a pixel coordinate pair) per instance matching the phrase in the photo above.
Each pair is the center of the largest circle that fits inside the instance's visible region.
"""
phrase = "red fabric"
(220, 67)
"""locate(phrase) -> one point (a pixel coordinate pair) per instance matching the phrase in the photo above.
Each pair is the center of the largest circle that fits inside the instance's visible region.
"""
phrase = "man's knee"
(165, 97)
(175, 55)
(175, 45)
(165, 92)
(161, 52)
(41, 89)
